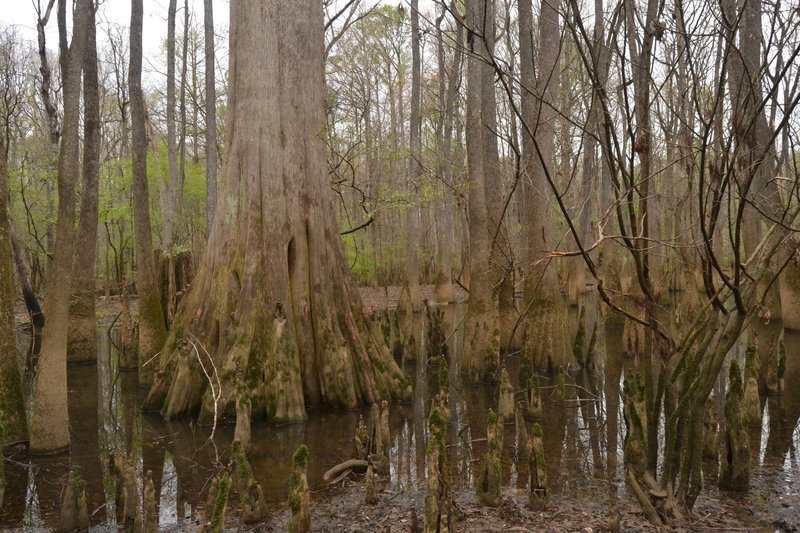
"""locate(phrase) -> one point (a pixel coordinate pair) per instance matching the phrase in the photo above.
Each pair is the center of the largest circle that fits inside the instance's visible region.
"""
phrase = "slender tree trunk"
(443, 292)
(410, 299)
(481, 333)
(172, 180)
(50, 422)
(82, 318)
(12, 402)
(274, 316)
(211, 115)
(152, 330)
(545, 330)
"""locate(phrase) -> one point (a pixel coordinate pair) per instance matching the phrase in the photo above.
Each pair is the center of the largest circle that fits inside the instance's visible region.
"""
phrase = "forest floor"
(341, 508)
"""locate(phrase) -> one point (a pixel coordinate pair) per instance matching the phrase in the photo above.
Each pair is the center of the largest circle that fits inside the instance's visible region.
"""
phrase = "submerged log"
(438, 502)
(299, 498)
(538, 497)
(505, 401)
(735, 464)
(487, 487)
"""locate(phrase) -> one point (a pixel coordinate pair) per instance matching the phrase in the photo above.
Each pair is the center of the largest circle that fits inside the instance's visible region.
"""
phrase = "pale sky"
(22, 14)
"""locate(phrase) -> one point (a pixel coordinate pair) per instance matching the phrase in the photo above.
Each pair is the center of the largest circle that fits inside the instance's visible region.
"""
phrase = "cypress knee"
(488, 483)
(299, 498)
(537, 471)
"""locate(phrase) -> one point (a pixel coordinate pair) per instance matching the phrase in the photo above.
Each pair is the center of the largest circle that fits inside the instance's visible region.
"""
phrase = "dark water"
(583, 435)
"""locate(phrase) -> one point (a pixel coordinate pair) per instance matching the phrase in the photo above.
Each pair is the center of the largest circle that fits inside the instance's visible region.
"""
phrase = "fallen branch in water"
(342, 467)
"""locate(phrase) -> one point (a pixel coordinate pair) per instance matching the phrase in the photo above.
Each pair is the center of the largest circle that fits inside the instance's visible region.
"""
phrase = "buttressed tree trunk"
(545, 332)
(12, 404)
(50, 422)
(82, 344)
(274, 314)
(152, 329)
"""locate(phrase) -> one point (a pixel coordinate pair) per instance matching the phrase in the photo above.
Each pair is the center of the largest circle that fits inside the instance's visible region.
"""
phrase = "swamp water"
(582, 422)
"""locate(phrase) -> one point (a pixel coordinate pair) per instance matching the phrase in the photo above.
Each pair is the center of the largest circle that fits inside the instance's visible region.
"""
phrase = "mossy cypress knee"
(538, 496)
(487, 486)
(299, 498)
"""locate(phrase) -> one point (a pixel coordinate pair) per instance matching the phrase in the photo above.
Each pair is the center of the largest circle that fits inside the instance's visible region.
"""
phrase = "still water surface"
(583, 429)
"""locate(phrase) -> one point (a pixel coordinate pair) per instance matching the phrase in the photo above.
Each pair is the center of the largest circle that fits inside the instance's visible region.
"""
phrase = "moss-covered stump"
(487, 485)
(443, 396)
(735, 457)
(251, 497)
(150, 519)
(217, 504)
(505, 399)
(710, 450)
(299, 497)
(545, 341)
(538, 497)
(74, 511)
(438, 503)
(752, 401)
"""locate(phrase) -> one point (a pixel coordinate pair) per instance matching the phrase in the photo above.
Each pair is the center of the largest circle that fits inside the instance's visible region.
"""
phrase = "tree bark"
(50, 422)
(482, 343)
(82, 344)
(211, 115)
(274, 313)
(12, 403)
(410, 297)
(443, 292)
(172, 179)
(152, 330)
(545, 336)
